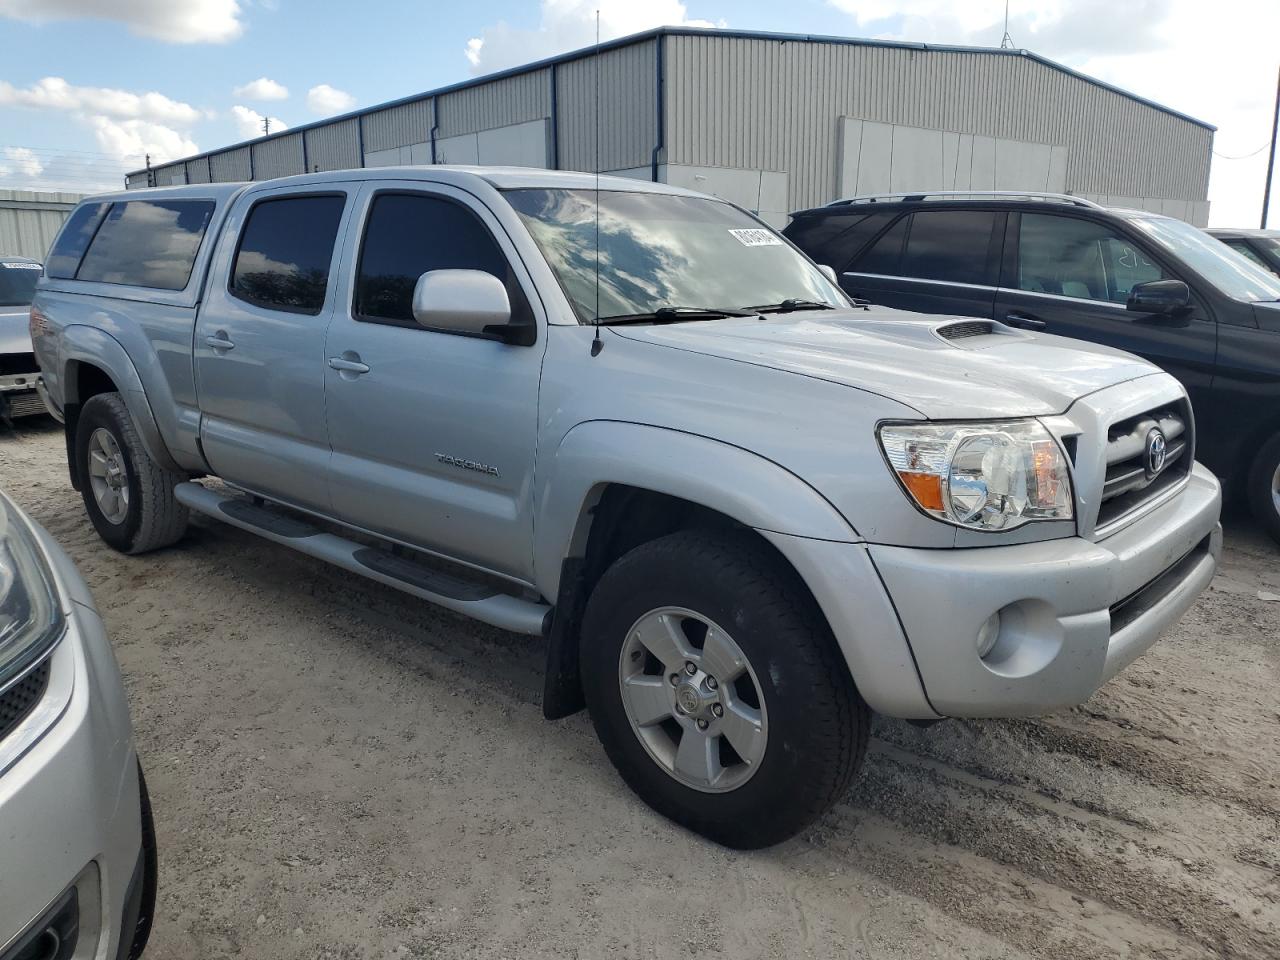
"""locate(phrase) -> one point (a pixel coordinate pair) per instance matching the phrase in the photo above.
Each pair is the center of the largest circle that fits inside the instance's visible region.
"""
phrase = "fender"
(83, 344)
(742, 485)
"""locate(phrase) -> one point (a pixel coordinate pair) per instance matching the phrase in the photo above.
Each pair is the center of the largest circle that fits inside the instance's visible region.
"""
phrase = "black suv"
(1138, 281)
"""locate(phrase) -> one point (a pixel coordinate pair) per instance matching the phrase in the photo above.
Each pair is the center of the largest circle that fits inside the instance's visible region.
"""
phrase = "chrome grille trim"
(1128, 488)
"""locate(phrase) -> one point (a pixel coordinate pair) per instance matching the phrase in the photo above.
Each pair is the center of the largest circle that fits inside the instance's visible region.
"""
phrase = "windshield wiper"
(791, 305)
(675, 315)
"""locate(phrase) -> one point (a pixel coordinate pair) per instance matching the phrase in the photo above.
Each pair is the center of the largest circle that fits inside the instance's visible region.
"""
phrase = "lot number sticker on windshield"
(756, 238)
(22, 266)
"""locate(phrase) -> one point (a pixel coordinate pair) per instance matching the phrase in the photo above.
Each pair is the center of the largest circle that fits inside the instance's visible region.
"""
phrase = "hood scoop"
(964, 329)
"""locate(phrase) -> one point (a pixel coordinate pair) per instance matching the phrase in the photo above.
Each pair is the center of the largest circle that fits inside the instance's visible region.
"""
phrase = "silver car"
(19, 374)
(77, 843)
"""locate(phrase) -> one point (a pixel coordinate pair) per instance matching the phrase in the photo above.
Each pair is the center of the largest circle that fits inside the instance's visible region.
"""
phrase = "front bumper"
(1073, 612)
(70, 813)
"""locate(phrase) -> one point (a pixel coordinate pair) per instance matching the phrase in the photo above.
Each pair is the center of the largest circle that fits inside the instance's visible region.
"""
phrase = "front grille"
(1129, 482)
(24, 405)
(965, 328)
(20, 699)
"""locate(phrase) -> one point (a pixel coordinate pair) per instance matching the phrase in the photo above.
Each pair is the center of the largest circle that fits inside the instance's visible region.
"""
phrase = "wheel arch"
(94, 362)
(615, 486)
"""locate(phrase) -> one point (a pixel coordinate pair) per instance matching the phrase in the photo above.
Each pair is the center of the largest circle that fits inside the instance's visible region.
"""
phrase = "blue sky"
(86, 86)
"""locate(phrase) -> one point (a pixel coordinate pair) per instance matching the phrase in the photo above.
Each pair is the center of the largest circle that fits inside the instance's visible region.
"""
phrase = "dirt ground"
(341, 771)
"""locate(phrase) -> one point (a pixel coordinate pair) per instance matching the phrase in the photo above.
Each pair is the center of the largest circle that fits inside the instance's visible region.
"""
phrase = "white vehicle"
(77, 843)
(18, 372)
(743, 510)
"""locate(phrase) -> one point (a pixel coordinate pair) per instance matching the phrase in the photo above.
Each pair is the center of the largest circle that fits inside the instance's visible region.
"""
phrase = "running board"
(476, 600)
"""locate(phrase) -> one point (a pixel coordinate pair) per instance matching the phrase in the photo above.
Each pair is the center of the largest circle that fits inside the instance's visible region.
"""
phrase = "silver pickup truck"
(742, 510)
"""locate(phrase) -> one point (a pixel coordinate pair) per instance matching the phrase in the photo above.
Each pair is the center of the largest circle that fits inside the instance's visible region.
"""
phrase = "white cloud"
(1218, 67)
(20, 162)
(262, 89)
(568, 25)
(249, 122)
(326, 100)
(175, 21)
(137, 138)
(54, 93)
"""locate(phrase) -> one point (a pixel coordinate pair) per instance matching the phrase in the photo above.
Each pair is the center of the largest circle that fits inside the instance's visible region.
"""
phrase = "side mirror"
(462, 301)
(1162, 297)
(829, 273)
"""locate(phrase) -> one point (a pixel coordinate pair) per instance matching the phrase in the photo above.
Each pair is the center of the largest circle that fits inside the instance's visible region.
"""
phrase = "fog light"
(988, 634)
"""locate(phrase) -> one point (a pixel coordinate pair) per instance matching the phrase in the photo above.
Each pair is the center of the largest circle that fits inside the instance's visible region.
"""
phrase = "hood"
(943, 367)
(15, 334)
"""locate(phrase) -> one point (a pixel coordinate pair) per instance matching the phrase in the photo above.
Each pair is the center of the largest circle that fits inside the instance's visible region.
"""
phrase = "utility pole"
(1271, 158)
(266, 126)
(151, 177)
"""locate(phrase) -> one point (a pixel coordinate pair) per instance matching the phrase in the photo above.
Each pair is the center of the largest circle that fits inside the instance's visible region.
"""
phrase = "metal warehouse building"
(773, 122)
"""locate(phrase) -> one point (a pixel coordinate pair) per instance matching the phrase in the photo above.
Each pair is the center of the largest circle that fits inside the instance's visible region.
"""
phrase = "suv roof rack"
(968, 195)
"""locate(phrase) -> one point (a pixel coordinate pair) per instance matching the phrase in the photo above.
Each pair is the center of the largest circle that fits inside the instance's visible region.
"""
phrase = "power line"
(1243, 156)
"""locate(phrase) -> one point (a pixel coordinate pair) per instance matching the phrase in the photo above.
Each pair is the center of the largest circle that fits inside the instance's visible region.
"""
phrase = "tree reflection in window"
(285, 250)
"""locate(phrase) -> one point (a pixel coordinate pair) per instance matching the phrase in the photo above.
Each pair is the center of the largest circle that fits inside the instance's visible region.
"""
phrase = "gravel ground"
(340, 771)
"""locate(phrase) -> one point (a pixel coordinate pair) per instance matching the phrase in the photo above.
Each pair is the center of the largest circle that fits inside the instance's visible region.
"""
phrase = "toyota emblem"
(1156, 452)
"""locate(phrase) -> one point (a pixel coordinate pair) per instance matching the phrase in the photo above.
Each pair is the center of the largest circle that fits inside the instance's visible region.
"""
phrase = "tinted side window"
(886, 253)
(64, 258)
(1078, 258)
(834, 239)
(408, 234)
(147, 243)
(1242, 248)
(950, 245)
(285, 250)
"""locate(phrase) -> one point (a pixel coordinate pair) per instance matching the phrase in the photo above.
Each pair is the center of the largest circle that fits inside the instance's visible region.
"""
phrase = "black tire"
(817, 722)
(154, 517)
(1260, 490)
(150, 877)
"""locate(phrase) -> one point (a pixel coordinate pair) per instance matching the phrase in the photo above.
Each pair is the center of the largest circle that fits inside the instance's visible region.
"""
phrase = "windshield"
(659, 250)
(1212, 259)
(18, 283)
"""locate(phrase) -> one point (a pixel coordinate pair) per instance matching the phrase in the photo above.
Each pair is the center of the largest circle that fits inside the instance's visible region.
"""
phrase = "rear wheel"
(1262, 486)
(128, 496)
(717, 689)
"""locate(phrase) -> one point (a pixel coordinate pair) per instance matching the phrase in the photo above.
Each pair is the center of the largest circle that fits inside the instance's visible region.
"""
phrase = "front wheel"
(1262, 486)
(717, 689)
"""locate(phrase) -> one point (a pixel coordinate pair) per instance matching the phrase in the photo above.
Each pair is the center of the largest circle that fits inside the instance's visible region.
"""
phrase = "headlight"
(30, 614)
(987, 476)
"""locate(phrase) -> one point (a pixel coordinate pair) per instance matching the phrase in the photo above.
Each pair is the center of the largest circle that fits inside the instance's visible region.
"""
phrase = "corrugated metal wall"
(772, 105)
(398, 126)
(526, 96)
(231, 165)
(334, 146)
(627, 89)
(198, 170)
(29, 221)
(278, 157)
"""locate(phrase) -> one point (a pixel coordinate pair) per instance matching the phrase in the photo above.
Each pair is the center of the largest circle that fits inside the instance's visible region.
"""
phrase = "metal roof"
(687, 32)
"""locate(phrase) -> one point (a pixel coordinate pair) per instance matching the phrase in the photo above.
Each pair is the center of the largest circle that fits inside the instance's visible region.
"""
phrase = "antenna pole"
(597, 344)
(1006, 42)
(1271, 157)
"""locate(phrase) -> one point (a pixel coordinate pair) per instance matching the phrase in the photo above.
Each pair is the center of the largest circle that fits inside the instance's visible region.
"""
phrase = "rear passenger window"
(73, 240)
(409, 234)
(285, 250)
(950, 246)
(147, 243)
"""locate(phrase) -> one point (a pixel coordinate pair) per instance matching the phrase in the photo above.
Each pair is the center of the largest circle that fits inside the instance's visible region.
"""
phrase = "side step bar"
(475, 600)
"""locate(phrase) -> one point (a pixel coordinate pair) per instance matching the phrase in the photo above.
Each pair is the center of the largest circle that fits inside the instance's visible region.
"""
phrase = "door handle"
(219, 341)
(343, 365)
(1026, 323)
